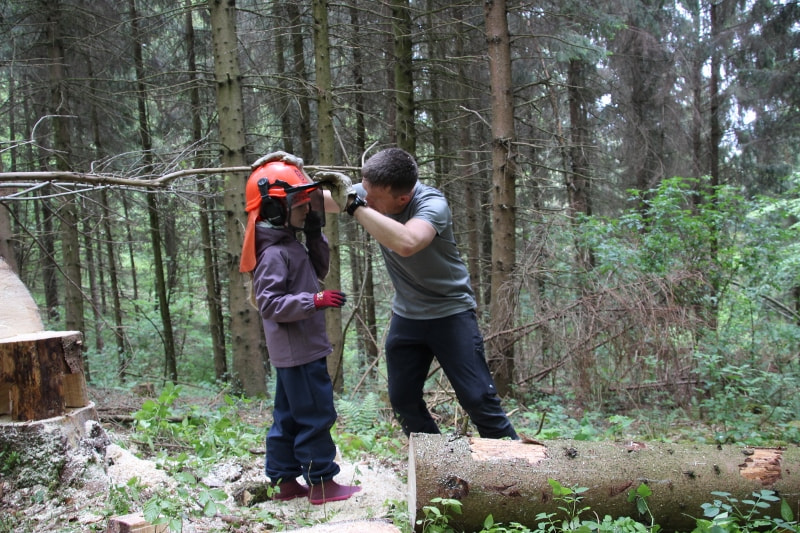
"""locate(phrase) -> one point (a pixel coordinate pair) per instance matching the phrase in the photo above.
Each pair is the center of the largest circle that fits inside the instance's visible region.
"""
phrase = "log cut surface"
(509, 479)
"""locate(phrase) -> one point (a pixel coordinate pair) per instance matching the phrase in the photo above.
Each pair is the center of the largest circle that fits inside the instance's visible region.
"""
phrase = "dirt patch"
(82, 503)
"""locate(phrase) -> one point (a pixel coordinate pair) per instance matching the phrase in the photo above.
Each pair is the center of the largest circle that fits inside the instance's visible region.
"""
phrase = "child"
(282, 200)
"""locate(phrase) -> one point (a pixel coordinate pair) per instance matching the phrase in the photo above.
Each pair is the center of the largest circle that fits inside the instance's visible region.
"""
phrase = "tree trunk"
(62, 144)
(213, 297)
(357, 239)
(19, 313)
(403, 75)
(249, 354)
(41, 374)
(509, 479)
(170, 363)
(501, 355)
(325, 133)
(119, 330)
(302, 122)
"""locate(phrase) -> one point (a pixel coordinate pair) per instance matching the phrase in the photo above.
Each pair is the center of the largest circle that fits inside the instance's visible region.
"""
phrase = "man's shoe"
(288, 490)
(330, 491)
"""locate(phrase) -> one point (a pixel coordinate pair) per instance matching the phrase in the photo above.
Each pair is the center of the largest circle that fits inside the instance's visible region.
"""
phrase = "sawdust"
(114, 462)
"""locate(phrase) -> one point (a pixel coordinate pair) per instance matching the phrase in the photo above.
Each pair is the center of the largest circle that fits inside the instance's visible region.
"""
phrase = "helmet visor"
(311, 195)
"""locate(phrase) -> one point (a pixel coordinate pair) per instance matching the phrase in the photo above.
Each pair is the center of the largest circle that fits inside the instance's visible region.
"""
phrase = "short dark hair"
(394, 168)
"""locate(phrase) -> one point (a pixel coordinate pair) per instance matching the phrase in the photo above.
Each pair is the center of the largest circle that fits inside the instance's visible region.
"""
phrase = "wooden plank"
(133, 523)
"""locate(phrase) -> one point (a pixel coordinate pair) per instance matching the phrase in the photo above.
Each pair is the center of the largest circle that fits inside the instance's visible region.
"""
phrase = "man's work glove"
(286, 157)
(313, 226)
(339, 184)
(325, 299)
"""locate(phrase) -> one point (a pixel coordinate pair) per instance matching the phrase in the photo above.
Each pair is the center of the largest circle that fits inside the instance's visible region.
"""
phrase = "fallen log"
(19, 313)
(509, 479)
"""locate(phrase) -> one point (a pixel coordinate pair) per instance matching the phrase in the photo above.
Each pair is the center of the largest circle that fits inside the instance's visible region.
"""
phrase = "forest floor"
(85, 504)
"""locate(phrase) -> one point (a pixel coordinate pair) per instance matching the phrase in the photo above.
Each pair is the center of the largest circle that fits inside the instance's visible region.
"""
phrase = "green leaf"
(786, 511)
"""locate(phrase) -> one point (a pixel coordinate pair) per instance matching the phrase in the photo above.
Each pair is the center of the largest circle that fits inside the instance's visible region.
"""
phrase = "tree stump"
(41, 375)
(509, 479)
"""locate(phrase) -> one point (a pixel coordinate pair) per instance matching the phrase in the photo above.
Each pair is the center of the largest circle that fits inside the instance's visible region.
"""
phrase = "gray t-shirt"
(434, 282)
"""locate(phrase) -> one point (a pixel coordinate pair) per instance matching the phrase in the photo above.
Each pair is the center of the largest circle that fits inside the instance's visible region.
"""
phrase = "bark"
(119, 335)
(6, 248)
(70, 246)
(403, 76)
(213, 297)
(302, 122)
(325, 132)
(41, 375)
(93, 267)
(501, 356)
(170, 359)
(360, 256)
(509, 479)
(246, 333)
(280, 12)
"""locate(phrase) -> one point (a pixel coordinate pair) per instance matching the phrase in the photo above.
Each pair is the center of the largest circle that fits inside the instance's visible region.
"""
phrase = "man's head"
(389, 178)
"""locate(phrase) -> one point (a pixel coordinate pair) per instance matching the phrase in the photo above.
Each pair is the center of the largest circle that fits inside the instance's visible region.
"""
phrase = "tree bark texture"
(509, 479)
(327, 142)
(403, 75)
(41, 375)
(504, 200)
(246, 333)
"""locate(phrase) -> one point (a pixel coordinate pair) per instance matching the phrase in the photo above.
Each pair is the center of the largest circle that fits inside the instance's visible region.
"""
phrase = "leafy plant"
(190, 499)
(729, 514)
(436, 519)
(122, 498)
(9, 461)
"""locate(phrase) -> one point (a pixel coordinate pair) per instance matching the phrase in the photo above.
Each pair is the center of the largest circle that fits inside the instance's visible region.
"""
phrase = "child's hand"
(325, 299)
(313, 225)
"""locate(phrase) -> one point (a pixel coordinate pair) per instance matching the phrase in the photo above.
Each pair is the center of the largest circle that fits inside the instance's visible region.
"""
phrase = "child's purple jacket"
(285, 280)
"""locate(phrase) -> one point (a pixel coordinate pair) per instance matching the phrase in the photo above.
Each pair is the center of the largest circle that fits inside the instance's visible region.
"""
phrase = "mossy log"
(509, 479)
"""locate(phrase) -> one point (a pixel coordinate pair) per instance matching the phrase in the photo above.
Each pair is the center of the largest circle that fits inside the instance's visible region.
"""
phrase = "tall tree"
(62, 145)
(216, 324)
(145, 137)
(249, 361)
(403, 76)
(504, 173)
(327, 144)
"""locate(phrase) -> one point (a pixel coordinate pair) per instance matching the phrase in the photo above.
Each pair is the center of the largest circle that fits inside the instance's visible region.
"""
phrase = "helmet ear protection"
(273, 210)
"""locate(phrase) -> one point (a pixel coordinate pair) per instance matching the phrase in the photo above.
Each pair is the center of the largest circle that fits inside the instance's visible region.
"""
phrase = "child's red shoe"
(330, 491)
(289, 490)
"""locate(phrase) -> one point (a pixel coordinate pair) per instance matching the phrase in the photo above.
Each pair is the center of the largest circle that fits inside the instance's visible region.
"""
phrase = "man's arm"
(403, 239)
(330, 204)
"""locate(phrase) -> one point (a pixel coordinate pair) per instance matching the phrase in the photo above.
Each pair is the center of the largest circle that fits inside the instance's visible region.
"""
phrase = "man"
(433, 309)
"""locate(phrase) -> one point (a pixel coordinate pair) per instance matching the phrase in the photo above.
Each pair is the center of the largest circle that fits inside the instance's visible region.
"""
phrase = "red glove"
(325, 299)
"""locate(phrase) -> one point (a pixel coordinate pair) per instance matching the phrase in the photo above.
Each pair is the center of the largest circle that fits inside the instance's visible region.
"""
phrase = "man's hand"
(340, 185)
(286, 157)
(324, 299)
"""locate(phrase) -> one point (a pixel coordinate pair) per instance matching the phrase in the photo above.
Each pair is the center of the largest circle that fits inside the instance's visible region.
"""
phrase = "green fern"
(360, 414)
